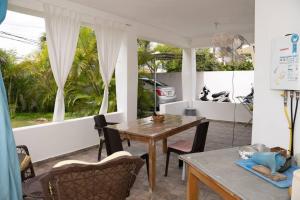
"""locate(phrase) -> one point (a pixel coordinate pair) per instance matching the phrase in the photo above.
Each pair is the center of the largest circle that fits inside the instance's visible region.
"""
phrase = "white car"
(164, 93)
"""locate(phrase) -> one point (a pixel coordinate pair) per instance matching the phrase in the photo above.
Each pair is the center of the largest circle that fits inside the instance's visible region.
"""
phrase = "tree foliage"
(31, 86)
(205, 59)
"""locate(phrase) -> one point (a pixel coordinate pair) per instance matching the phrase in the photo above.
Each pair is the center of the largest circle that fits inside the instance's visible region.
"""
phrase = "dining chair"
(113, 143)
(112, 178)
(100, 123)
(187, 146)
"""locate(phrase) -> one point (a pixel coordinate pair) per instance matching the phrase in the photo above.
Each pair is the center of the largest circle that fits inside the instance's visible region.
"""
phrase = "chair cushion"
(182, 145)
(111, 157)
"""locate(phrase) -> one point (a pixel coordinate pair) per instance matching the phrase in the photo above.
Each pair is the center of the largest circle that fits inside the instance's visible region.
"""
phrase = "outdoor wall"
(238, 82)
(216, 81)
(53, 139)
(273, 18)
(174, 108)
(210, 110)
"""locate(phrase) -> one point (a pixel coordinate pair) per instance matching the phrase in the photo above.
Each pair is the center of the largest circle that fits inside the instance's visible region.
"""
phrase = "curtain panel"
(62, 31)
(10, 181)
(109, 38)
(3, 9)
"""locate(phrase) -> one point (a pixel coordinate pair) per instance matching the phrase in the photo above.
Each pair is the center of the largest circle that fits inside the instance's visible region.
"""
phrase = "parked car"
(164, 93)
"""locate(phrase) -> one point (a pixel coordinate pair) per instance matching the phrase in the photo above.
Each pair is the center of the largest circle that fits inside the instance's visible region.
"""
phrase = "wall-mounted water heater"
(285, 63)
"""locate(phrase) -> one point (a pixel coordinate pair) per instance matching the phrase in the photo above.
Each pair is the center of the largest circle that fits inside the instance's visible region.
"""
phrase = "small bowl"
(158, 118)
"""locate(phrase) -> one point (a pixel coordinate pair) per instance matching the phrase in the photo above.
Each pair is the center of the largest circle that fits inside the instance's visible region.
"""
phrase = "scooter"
(216, 97)
(249, 98)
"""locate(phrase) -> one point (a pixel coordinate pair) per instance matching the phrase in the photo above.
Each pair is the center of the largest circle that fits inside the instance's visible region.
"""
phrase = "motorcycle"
(216, 97)
(249, 98)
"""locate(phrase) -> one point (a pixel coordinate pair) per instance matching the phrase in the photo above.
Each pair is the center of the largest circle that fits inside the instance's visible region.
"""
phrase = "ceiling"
(187, 18)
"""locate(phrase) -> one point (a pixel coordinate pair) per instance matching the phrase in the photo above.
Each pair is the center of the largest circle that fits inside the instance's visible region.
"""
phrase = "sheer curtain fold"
(10, 181)
(62, 30)
(109, 38)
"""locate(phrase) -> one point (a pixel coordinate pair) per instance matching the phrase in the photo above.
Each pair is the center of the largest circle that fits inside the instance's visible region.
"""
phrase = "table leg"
(165, 145)
(152, 164)
(192, 186)
(183, 171)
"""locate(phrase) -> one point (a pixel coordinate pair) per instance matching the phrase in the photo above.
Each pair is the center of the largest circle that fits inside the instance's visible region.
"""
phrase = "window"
(28, 77)
(84, 87)
(25, 68)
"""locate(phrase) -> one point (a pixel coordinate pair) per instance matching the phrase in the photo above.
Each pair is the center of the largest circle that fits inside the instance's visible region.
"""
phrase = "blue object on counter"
(272, 160)
(249, 163)
(3, 9)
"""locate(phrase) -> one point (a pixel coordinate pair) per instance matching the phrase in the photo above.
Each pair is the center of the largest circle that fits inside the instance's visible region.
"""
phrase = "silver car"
(164, 93)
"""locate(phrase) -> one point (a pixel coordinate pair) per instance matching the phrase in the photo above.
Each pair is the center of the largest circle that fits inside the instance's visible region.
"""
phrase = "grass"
(29, 119)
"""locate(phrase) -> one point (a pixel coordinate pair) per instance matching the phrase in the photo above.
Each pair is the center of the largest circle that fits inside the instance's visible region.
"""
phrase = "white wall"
(222, 81)
(216, 81)
(211, 110)
(223, 111)
(53, 139)
(174, 108)
(273, 18)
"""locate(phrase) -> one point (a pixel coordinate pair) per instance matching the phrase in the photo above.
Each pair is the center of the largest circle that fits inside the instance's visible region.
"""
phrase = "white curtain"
(62, 30)
(109, 38)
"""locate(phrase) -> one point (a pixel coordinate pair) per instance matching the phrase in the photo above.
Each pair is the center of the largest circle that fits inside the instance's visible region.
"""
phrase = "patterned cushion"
(113, 156)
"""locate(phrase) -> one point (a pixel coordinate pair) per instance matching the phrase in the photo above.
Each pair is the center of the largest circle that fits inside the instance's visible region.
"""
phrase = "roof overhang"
(183, 24)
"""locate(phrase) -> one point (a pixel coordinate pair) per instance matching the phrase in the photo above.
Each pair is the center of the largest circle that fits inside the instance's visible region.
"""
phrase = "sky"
(21, 25)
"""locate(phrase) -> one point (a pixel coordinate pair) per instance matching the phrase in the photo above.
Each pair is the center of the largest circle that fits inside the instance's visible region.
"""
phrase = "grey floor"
(219, 136)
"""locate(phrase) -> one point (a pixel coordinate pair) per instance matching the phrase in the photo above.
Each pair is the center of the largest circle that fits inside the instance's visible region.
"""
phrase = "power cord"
(292, 122)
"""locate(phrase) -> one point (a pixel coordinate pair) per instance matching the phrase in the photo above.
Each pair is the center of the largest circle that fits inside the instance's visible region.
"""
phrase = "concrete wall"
(215, 81)
(54, 139)
(222, 81)
(211, 110)
(273, 18)
(174, 108)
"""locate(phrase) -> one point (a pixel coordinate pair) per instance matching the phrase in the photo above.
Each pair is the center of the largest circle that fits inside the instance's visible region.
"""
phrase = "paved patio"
(171, 187)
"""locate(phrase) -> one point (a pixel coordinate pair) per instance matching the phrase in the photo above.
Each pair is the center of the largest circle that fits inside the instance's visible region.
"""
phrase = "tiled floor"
(219, 136)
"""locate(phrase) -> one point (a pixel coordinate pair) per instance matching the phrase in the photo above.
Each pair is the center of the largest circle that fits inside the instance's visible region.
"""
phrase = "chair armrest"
(111, 123)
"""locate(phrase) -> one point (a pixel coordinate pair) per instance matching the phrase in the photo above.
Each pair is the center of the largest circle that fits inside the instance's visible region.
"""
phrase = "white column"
(189, 75)
(127, 77)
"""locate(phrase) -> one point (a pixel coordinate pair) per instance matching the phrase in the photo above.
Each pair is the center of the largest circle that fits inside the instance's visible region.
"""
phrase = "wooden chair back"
(200, 137)
(113, 140)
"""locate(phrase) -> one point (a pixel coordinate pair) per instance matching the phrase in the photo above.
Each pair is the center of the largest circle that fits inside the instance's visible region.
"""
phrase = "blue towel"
(272, 160)
(249, 163)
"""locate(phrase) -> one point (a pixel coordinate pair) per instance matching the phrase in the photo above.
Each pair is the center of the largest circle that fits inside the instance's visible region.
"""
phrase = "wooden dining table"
(149, 132)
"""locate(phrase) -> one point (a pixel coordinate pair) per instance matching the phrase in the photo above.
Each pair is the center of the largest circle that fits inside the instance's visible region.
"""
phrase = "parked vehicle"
(249, 98)
(217, 97)
(164, 93)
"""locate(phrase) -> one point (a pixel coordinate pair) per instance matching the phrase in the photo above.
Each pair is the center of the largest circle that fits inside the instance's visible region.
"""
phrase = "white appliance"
(285, 63)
